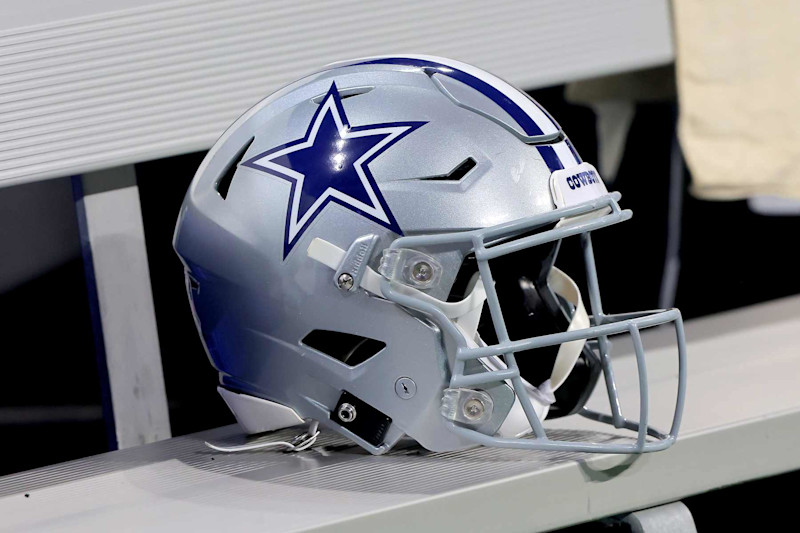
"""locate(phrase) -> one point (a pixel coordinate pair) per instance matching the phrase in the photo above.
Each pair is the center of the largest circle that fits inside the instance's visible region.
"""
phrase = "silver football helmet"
(372, 249)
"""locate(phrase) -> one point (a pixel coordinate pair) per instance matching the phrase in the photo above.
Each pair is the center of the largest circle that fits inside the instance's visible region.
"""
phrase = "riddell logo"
(582, 179)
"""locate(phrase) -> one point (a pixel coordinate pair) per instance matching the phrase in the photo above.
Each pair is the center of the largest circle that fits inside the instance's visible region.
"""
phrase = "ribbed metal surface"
(335, 480)
(188, 450)
(167, 78)
(416, 471)
(337, 464)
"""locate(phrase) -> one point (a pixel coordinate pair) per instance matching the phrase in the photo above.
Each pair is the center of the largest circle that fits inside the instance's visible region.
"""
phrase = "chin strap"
(568, 352)
(332, 256)
(467, 313)
(542, 397)
(516, 422)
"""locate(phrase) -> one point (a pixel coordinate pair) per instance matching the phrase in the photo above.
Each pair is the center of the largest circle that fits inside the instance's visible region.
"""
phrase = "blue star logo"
(331, 164)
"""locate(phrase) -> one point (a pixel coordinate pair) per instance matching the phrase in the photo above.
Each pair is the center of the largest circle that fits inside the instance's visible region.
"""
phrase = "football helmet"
(372, 249)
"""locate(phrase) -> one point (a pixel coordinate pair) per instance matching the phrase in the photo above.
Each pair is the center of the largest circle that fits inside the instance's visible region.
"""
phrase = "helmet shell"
(254, 303)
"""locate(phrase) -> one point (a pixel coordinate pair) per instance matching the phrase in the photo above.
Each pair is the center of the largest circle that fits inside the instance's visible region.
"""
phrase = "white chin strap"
(542, 397)
(467, 313)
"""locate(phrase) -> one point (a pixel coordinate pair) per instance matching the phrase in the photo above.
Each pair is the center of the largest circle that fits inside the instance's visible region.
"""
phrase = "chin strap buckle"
(335, 258)
(355, 263)
(410, 267)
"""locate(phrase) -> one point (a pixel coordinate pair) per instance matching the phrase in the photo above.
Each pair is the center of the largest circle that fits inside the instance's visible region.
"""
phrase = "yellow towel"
(738, 72)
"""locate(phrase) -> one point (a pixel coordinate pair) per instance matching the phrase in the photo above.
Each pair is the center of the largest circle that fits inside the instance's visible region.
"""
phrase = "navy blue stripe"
(552, 160)
(574, 151)
(94, 310)
(495, 95)
(508, 105)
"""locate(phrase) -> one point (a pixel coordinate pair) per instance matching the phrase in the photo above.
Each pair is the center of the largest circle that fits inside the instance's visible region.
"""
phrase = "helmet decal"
(331, 164)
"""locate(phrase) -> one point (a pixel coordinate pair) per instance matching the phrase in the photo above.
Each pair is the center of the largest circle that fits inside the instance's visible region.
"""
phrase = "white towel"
(738, 72)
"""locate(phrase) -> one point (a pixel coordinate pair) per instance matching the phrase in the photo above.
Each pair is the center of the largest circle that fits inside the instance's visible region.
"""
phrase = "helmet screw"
(422, 271)
(346, 412)
(473, 409)
(345, 281)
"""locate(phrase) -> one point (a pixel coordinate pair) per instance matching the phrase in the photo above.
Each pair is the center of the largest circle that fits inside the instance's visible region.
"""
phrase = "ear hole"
(224, 182)
(350, 349)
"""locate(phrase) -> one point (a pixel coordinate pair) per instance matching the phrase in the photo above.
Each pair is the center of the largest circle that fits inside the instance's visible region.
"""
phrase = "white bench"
(742, 422)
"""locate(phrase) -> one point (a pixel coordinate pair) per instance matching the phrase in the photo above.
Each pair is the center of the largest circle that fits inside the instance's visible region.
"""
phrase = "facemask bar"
(496, 241)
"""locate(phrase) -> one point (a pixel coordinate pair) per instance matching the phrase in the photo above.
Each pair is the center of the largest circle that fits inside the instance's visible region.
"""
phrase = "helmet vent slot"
(457, 174)
(344, 347)
(224, 182)
(344, 93)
